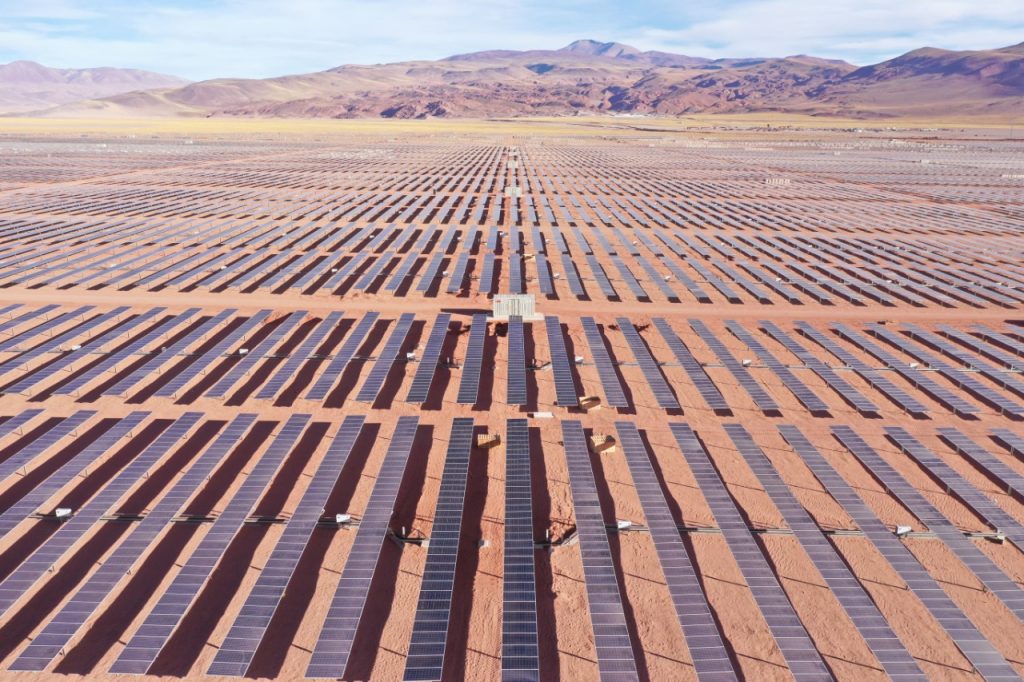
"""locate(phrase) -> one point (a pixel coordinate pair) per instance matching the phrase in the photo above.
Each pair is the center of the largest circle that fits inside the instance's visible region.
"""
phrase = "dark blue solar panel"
(652, 372)
(425, 660)
(792, 639)
(857, 603)
(469, 386)
(1003, 586)
(970, 641)
(249, 628)
(88, 599)
(424, 377)
(334, 644)
(703, 638)
(386, 360)
(519, 647)
(611, 636)
(163, 619)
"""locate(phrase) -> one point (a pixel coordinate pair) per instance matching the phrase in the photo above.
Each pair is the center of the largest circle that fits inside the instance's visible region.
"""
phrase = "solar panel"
(41, 443)
(997, 582)
(31, 501)
(429, 275)
(424, 377)
(469, 386)
(184, 376)
(614, 396)
(515, 390)
(631, 281)
(12, 342)
(703, 638)
(603, 282)
(149, 639)
(920, 380)
(792, 639)
(15, 322)
(425, 660)
(56, 343)
(515, 274)
(250, 625)
(12, 424)
(575, 284)
(990, 464)
(705, 386)
(856, 602)
(519, 648)
(807, 397)
(459, 273)
(386, 359)
(1011, 440)
(960, 379)
(305, 351)
(1006, 359)
(565, 386)
(607, 617)
(847, 392)
(761, 398)
(695, 289)
(871, 375)
(652, 372)
(255, 355)
(715, 281)
(73, 615)
(397, 279)
(997, 338)
(45, 557)
(161, 356)
(334, 643)
(656, 277)
(996, 375)
(487, 274)
(374, 271)
(945, 474)
(336, 366)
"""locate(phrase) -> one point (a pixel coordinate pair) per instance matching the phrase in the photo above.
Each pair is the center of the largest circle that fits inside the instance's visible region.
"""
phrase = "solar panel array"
(46, 556)
(386, 359)
(425, 660)
(856, 602)
(424, 377)
(469, 386)
(708, 652)
(792, 639)
(761, 397)
(655, 379)
(123, 529)
(565, 386)
(70, 619)
(250, 625)
(334, 643)
(515, 389)
(978, 650)
(611, 636)
(149, 639)
(33, 499)
(519, 646)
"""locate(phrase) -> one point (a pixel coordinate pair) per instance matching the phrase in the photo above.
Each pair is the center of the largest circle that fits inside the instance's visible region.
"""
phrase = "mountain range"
(588, 76)
(27, 86)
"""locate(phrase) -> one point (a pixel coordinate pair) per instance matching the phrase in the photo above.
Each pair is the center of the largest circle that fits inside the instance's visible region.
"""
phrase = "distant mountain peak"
(596, 48)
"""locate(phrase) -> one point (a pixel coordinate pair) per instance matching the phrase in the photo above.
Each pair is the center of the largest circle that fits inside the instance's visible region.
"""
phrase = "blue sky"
(260, 38)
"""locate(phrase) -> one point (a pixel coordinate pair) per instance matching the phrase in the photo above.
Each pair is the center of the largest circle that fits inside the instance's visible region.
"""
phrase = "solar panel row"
(334, 643)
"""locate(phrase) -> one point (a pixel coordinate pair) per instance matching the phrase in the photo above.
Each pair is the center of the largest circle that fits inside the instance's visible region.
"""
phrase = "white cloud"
(259, 38)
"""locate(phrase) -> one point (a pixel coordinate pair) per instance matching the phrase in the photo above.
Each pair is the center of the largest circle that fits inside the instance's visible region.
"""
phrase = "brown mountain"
(25, 85)
(588, 76)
